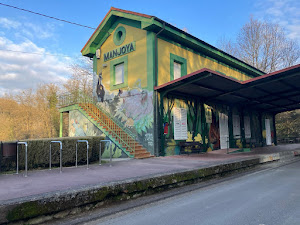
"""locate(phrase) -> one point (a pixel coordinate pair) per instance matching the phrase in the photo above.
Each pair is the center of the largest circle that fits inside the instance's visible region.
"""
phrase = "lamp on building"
(98, 53)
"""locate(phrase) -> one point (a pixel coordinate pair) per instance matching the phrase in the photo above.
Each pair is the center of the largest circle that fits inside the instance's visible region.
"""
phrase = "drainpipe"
(157, 121)
(155, 55)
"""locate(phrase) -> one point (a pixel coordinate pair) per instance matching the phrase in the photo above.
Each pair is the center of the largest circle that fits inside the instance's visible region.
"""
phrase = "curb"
(45, 207)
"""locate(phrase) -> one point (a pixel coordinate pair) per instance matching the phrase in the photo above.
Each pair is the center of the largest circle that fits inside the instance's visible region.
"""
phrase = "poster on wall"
(180, 124)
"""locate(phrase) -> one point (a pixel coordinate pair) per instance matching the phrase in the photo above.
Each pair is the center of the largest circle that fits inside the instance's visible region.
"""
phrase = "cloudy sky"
(36, 50)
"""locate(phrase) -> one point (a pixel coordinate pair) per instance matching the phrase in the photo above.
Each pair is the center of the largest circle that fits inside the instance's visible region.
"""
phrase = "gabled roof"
(152, 23)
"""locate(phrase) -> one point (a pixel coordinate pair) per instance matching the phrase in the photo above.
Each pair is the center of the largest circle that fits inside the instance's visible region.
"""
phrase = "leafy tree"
(288, 124)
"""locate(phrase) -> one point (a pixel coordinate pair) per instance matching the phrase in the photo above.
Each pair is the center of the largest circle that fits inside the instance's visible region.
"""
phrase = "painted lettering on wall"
(123, 50)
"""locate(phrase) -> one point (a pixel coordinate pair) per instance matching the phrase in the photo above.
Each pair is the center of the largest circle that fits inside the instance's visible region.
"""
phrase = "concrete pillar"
(243, 139)
(230, 126)
(274, 129)
(61, 125)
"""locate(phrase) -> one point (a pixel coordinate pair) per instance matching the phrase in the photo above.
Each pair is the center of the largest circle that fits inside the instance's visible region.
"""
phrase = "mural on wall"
(81, 126)
(132, 106)
(100, 89)
(205, 132)
(214, 133)
(193, 125)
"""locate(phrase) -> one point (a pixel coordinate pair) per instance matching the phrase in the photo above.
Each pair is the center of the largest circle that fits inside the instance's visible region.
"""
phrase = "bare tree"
(228, 46)
(263, 45)
(81, 78)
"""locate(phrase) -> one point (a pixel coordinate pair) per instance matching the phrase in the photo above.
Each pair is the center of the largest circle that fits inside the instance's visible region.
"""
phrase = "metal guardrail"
(26, 166)
(60, 155)
(87, 152)
(100, 152)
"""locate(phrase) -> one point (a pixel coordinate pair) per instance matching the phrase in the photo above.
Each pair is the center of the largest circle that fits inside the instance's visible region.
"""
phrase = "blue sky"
(22, 31)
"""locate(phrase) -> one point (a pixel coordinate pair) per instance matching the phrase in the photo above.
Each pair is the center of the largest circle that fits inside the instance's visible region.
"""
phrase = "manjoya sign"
(123, 50)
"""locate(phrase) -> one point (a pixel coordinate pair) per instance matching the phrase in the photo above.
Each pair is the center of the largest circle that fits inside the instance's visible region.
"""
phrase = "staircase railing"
(114, 129)
(68, 99)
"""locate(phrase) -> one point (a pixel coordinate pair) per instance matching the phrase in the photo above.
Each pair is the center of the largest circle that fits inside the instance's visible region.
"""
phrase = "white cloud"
(284, 12)
(27, 29)
(20, 71)
(31, 30)
(9, 24)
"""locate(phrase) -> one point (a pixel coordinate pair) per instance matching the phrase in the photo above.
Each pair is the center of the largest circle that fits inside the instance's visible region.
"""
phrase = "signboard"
(123, 50)
(180, 124)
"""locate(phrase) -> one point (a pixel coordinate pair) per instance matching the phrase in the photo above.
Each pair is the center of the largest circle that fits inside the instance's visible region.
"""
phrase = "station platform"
(43, 185)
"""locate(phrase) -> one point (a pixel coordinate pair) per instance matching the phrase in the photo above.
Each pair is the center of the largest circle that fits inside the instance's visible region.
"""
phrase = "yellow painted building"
(139, 61)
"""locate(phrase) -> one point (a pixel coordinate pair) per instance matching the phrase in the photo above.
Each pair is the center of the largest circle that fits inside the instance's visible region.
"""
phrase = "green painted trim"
(161, 125)
(207, 57)
(61, 124)
(68, 108)
(121, 21)
(119, 31)
(206, 47)
(113, 63)
(101, 32)
(178, 59)
(150, 60)
(95, 64)
(76, 107)
(154, 23)
(102, 41)
(104, 131)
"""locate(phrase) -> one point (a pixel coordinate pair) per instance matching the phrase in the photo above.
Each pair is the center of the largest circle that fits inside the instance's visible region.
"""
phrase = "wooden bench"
(190, 147)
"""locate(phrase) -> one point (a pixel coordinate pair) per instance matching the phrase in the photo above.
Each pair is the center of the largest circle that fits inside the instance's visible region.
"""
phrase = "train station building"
(158, 90)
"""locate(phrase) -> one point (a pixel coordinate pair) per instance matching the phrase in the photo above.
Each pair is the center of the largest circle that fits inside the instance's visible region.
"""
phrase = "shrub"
(38, 153)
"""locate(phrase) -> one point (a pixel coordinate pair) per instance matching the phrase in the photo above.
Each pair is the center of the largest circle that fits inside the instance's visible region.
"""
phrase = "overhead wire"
(51, 17)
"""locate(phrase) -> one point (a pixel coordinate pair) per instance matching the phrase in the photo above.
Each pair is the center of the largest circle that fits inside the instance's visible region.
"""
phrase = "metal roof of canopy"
(274, 92)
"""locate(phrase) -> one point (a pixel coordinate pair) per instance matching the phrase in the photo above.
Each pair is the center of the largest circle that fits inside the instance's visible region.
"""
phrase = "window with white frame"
(177, 70)
(119, 73)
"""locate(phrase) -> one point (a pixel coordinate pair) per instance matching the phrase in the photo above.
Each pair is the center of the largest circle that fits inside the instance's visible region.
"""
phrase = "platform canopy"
(274, 92)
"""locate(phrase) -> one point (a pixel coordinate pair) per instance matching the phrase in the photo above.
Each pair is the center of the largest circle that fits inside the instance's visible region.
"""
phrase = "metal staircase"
(109, 125)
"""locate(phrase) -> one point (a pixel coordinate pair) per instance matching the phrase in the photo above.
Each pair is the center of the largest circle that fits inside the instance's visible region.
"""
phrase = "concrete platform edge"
(99, 195)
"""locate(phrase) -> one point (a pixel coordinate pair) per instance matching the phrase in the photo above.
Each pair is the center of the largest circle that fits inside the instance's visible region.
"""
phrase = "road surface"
(266, 197)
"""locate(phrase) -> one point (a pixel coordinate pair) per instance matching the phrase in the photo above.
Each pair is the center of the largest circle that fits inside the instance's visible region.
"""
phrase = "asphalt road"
(266, 197)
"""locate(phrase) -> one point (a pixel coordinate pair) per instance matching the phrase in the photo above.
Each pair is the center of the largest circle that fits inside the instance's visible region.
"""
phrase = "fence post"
(87, 152)
(26, 161)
